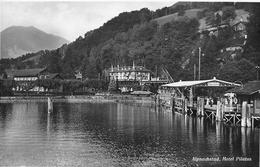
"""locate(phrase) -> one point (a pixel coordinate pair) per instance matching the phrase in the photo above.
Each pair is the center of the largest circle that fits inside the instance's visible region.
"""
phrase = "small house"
(141, 93)
(78, 75)
(239, 26)
(250, 92)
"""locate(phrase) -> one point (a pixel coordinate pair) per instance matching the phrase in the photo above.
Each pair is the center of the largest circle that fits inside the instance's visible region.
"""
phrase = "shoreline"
(80, 99)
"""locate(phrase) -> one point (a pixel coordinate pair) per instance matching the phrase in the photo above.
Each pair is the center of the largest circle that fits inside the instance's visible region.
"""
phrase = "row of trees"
(71, 85)
(6, 86)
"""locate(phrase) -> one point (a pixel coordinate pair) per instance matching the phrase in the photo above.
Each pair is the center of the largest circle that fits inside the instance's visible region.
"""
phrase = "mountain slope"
(139, 36)
(18, 40)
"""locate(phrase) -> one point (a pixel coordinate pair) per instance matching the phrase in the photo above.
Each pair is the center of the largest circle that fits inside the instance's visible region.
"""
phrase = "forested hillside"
(137, 36)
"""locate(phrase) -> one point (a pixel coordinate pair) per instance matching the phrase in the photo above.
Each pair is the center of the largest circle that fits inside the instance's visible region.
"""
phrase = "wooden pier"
(241, 113)
(235, 116)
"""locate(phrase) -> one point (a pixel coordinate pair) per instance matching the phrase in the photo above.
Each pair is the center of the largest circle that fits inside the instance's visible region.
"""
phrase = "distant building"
(213, 30)
(239, 26)
(129, 73)
(78, 75)
(250, 92)
(130, 78)
(25, 78)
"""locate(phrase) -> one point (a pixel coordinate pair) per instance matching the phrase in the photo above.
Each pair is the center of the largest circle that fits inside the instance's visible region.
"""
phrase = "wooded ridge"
(139, 36)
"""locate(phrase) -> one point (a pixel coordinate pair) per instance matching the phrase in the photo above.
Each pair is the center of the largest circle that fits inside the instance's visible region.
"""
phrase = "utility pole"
(199, 62)
(194, 72)
(257, 72)
(156, 71)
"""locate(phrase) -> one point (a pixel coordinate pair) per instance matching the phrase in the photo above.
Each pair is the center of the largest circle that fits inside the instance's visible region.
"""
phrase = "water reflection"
(113, 134)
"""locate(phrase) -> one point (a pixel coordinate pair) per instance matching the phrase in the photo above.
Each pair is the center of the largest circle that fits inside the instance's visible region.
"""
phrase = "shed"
(211, 88)
(142, 93)
(249, 92)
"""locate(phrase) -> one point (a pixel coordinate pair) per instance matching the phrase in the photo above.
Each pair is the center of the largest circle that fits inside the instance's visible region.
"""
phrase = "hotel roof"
(128, 69)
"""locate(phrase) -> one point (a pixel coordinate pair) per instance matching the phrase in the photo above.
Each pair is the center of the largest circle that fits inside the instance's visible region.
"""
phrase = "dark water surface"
(111, 134)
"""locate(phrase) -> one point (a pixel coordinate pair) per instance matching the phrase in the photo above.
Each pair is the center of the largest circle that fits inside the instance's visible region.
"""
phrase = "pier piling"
(218, 117)
(50, 105)
(185, 106)
(222, 110)
(253, 122)
(244, 114)
(248, 118)
(202, 106)
(173, 104)
(198, 107)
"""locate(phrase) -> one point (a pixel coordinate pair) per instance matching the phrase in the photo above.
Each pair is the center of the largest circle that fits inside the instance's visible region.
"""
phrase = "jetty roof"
(128, 69)
(202, 83)
(249, 88)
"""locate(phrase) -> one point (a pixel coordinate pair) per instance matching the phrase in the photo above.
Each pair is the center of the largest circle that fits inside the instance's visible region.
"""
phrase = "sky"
(68, 19)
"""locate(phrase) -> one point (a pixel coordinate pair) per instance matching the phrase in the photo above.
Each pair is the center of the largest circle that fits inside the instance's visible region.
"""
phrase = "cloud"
(68, 19)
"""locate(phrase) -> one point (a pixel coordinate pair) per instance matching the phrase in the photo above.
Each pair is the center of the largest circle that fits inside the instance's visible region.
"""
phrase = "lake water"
(111, 134)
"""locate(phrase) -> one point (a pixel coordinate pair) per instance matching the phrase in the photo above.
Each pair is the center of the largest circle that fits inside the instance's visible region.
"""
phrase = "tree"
(6, 86)
(210, 17)
(112, 85)
(228, 13)
(253, 29)
(242, 70)
(218, 19)
(89, 68)
(230, 72)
